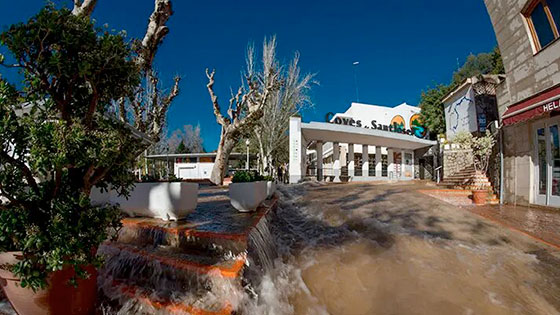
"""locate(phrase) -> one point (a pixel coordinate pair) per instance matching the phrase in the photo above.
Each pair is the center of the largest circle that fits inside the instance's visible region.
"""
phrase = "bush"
(481, 148)
(67, 142)
(246, 177)
(464, 139)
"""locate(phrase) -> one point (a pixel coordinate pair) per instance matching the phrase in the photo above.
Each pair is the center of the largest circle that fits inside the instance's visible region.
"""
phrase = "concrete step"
(194, 266)
(215, 239)
(144, 300)
(166, 266)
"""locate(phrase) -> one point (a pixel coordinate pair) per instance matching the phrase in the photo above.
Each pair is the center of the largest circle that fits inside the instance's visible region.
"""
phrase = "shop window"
(543, 17)
(206, 159)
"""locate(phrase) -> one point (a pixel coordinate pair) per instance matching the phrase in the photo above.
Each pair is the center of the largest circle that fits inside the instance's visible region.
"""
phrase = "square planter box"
(246, 197)
(270, 189)
(166, 201)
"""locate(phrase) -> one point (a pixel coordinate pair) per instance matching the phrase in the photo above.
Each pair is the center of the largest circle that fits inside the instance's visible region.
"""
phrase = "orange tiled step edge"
(165, 305)
(189, 235)
(182, 261)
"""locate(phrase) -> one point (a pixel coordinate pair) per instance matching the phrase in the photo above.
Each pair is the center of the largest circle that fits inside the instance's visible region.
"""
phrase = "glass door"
(547, 164)
(541, 166)
(554, 166)
(408, 168)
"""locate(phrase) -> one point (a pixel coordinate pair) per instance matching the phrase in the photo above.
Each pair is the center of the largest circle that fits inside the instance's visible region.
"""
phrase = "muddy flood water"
(388, 249)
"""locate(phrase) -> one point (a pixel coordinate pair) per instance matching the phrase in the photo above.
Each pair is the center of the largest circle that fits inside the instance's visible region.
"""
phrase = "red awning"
(548, 101)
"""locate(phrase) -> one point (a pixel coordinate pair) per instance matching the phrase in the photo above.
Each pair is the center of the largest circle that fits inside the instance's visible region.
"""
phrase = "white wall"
(193, 170)
(460, 112)
(382, 114)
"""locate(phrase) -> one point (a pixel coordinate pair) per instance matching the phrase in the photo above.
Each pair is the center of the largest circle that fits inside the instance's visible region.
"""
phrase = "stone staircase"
(467, 180)
(194, 266)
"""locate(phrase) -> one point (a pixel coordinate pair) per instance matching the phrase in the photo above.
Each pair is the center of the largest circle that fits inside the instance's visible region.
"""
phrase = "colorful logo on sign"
(398, 123)
(416, 126)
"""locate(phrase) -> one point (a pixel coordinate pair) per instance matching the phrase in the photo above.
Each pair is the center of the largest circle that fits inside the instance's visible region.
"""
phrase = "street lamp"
(167, 163)
(355, 64)
(247, 163)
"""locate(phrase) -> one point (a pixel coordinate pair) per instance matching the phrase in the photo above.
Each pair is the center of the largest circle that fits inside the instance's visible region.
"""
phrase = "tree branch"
(217, 111)
(155, 33)
(23, 168)
(92, 106)
(83, 8)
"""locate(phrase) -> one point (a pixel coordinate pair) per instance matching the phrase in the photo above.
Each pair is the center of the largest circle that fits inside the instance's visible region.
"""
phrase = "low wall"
(166, 201)
(455, 160)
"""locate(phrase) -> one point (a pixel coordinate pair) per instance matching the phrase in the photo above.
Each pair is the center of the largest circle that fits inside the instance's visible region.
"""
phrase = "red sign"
(528, 108)
(533, 112)
(552, 106)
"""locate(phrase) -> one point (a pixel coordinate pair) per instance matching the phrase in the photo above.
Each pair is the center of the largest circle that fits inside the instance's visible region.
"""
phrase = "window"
(543, 17)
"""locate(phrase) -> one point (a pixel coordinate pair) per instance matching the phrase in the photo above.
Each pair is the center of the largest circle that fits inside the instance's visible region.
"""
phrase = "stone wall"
(527, 72)
(455, 160)
(518, 170)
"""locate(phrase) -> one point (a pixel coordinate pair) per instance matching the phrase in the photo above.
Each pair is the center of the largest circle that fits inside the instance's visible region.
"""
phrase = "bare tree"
(189, 135)
(148, 108)
(271, 132)
(246, 106)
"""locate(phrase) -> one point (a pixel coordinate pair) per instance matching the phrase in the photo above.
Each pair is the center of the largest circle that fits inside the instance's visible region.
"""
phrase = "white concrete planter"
(270, 189)
(246, 197)
(166, 201)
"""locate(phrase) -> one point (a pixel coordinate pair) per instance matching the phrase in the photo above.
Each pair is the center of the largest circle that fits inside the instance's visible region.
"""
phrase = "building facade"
(196, 166)
(528, 35)
(472, 107)
(366, 142)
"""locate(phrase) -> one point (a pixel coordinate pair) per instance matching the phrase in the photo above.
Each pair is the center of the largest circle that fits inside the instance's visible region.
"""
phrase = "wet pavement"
(213, 214)
(540, 223)
(364, 248)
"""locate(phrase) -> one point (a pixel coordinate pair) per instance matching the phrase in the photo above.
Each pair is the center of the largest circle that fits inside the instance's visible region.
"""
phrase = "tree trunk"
(222, 157)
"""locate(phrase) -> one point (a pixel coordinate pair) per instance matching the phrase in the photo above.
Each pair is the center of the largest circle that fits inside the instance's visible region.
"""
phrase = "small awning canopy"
(329, 132)
(541, 104)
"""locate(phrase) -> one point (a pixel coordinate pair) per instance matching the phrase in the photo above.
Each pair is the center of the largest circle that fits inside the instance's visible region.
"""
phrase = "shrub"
(246, 177)
(63, 141)
(480, 146)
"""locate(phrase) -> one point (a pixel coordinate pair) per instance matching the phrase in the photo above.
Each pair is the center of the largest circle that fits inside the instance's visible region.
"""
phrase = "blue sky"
(402, 46)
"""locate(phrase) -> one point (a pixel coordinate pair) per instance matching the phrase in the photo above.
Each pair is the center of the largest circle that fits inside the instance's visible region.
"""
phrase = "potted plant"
(247, 191)
(59, 139)
(481, 149)
(270, 186)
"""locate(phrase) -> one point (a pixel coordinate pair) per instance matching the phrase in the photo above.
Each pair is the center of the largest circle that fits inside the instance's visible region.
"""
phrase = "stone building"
(527, 32)
(471, 107)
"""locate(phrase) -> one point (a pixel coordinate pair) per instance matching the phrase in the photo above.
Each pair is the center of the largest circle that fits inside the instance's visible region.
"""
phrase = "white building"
(471, 106)
(367, 142)
(197, 166)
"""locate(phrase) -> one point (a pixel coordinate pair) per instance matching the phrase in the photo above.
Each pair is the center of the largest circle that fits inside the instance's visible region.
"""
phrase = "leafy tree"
(431, 108)
(58, 140)
(181, 148)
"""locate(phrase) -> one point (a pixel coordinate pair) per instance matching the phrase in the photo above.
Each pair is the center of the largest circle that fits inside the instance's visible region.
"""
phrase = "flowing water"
(392, 251)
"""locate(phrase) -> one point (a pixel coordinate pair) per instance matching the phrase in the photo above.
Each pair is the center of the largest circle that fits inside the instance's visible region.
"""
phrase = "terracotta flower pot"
(58, 298)
(480, 196)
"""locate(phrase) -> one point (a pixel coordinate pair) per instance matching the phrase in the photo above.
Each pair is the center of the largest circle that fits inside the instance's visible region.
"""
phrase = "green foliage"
(246, 177)
(464, 139)
(483, 63)
(431, 108)
(480, 146)
(58, 141)
(181, 148)
(431, 105)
